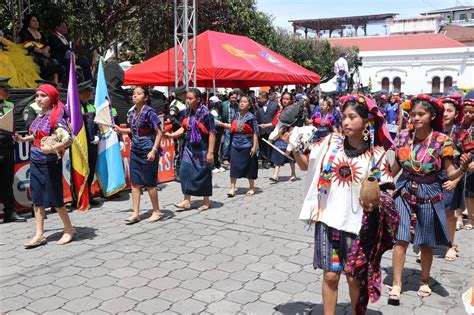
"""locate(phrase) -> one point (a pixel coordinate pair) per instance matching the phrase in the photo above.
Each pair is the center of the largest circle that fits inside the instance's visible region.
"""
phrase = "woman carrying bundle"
(46, 168)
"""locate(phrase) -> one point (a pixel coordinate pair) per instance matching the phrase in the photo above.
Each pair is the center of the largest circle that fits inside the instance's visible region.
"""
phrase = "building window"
(462, 16)
(397, 85)
(447, 84)
(385, 84)
(472, 16)
(435, 85)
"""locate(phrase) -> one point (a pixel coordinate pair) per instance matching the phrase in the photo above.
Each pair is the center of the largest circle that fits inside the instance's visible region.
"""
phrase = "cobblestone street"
(246, 255)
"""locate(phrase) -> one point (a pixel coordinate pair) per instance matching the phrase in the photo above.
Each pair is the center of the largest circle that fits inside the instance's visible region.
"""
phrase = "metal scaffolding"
(20, 7)
(185, 42)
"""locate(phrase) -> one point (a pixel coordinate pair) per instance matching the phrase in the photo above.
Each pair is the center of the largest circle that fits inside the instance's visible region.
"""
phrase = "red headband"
(51, 91)
(455, 101)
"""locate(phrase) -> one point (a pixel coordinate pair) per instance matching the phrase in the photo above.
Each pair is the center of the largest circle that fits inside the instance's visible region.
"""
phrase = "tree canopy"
(144, 28)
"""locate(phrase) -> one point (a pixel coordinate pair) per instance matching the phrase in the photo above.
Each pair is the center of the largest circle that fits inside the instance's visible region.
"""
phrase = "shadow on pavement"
(411, 281)
(82, 233)
(306, 308)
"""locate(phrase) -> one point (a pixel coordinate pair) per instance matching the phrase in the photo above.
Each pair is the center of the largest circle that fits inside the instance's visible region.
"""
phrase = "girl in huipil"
(198, 154)
(421, 154)
(145, 129)
(277, 158)
(453, 190)
(244, 128)
(350, 234)
(324, 121)
(46, 168)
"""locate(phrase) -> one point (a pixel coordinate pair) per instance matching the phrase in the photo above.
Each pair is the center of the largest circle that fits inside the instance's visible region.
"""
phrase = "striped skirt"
(332, 248)
(423, 224)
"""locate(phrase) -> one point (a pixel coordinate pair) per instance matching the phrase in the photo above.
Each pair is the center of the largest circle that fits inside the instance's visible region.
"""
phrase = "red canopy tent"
(225, 60)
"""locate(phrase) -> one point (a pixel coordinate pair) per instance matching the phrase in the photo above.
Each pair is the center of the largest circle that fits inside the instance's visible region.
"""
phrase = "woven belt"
(413, 199)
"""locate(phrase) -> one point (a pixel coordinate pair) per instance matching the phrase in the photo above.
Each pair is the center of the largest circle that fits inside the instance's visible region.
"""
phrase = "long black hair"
(26, 22)
(360, 109)
(146, 92)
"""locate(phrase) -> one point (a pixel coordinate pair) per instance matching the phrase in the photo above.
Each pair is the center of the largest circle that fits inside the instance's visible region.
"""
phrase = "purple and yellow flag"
(79, 157)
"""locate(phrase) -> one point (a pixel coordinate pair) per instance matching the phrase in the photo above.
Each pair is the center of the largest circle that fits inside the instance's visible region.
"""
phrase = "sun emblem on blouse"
(345, 172)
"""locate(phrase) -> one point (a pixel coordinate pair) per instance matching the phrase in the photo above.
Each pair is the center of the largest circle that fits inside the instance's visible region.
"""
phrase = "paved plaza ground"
(246, 255)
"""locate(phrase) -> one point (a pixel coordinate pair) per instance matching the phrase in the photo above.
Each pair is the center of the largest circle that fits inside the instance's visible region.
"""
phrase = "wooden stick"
(278, 149)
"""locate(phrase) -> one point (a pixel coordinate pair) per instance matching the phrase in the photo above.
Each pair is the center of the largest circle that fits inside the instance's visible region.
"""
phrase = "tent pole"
(214, 86)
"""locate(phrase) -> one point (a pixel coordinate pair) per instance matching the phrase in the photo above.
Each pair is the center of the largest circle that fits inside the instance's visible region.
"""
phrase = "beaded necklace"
(413, 160)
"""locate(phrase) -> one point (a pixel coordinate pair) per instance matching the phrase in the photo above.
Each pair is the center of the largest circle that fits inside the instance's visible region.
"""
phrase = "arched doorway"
(435, 85)
(385, 84)
(397, 85)
(447, 84)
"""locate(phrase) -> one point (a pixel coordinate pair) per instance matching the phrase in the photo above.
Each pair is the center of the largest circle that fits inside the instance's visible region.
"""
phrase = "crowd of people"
(423, 193)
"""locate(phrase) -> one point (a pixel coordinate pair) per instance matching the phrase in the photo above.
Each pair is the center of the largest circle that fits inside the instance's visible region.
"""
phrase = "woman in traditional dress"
(145, 129)
(350, 234)
(243, 154)
(324, 121)
(46, 168)
(453, 190)
(198, 155)
(37, 45)
(277, 158)
(421, 154)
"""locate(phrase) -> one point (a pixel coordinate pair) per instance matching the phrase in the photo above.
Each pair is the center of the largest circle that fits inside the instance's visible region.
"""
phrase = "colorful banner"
(21, 182)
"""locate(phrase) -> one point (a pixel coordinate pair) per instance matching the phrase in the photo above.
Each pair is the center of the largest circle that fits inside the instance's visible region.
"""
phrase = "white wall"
(416, 68)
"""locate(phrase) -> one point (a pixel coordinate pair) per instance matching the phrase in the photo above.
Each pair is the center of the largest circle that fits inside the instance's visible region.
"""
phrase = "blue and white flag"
(110, 172)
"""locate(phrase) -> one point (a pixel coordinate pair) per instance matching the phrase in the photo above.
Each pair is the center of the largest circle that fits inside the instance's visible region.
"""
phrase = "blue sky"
(284, 10)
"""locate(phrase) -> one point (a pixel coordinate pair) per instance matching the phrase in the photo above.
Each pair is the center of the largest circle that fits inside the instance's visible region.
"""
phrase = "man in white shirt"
(341, 69)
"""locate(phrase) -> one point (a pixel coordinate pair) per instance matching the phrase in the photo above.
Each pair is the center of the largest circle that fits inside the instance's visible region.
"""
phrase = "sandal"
(424, 290)
(132, 220)
(69, 237)
(231, 193)
(274, 179)
(451, 254)
(35, 242)
(468, 226)
(158, 218)
(394, 295)
(180, 206)
(293, 179)
(459, 226)
(250, 192)
(204, 208)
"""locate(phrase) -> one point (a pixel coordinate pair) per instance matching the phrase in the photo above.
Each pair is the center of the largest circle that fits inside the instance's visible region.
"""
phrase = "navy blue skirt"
(196, 180)
(46, 183)
(243, 166)
(454, 199)
(143, 172)
(277, 158)
(469, 191)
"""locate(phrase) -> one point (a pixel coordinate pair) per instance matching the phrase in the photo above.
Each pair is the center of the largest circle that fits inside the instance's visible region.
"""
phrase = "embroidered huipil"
(339, 207)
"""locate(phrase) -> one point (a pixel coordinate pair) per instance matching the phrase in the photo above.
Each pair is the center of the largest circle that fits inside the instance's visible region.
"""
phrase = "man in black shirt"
(265, 112)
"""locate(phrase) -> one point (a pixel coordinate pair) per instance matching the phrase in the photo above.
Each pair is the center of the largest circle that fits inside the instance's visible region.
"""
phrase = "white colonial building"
(418, 63)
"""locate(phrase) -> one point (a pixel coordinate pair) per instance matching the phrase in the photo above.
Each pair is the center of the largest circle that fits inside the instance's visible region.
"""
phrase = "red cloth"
(246, 128)
(202, 128)
(275, 119)
(57, 112)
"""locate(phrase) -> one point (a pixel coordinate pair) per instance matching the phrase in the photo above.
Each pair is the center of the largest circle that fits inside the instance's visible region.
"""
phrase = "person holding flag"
(145, 127)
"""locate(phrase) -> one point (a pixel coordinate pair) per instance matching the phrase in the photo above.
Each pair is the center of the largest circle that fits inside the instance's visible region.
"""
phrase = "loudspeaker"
(114, 74)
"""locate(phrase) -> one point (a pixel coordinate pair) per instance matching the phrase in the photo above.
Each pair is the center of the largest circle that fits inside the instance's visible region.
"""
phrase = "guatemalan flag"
(109, 171)
(79, 157)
